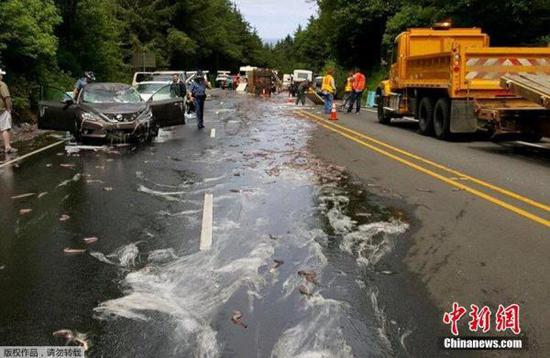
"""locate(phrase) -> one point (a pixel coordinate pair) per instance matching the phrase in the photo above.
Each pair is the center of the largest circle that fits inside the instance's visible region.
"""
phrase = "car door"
(57, 111)
(168, 108)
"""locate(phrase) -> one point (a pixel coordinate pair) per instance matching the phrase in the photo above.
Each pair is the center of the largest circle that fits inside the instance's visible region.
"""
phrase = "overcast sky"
(274, 19)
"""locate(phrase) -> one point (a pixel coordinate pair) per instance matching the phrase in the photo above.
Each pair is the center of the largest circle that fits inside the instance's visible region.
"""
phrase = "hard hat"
(90, 75)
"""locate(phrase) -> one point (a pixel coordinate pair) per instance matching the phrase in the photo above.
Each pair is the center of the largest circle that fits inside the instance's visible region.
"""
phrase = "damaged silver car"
(114, 112)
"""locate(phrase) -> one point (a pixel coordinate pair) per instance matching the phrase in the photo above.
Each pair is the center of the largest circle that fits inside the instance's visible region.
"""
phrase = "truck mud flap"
(463, 119)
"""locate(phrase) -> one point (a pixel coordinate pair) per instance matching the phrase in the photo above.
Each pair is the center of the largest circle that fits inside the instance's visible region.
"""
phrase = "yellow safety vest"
(349, 88)
(327, 84)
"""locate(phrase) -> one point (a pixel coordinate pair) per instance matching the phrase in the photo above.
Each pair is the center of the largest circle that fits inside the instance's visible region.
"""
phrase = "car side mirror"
(68, 101)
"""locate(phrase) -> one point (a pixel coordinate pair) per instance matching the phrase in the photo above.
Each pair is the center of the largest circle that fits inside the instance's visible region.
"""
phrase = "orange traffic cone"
(333, 115)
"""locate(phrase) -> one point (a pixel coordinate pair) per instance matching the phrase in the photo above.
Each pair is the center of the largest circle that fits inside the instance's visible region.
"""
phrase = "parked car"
(112, 111)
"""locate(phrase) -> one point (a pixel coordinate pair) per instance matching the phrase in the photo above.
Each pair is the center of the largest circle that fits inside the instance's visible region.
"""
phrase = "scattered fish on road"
(237, 319)
(90, 240)
(70, 251)
(72, 337)
(23, 196)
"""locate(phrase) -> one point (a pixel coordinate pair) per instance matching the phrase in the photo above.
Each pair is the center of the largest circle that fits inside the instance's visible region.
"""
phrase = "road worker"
(328, 89)
(82, 82)
(198, 94)
(359, 84)
(303, 87)
(348, 91)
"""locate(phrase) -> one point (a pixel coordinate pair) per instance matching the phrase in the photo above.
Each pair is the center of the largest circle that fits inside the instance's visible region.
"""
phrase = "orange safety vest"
(359, 82)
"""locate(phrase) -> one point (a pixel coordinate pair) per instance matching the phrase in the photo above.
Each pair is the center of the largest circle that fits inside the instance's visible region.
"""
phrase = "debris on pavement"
(24, 211)
(75, 178)
(108, 188)
(68, 250)
(90, 240)
(65, 165)
(425, 190)
(276, 264)
(49, 165)
(72, 337)
(237, 319)
(64, 217)
(21, 196)
(309, 276)
(42, 194)
(305, 291)
(2, 267)
(93, 181)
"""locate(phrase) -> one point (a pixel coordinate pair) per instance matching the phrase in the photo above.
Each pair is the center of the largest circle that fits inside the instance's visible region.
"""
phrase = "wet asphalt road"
(145, 290)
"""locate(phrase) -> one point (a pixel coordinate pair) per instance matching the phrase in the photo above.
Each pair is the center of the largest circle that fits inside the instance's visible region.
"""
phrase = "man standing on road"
(359, 83)
(5, 114)
(198, 94)
(82, 82)
(177, 87)
(328, 89)
(348, 91)
(303, 87)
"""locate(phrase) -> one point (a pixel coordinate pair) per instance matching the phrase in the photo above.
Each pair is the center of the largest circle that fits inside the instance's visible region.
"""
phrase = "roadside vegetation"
(51, 42)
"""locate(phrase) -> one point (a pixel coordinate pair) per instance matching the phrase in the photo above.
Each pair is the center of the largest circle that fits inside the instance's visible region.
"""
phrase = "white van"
(156, 76)
(302, 75)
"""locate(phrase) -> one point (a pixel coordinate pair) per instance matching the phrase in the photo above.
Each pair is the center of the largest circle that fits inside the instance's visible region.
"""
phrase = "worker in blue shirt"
(198, 94)
(82, 82)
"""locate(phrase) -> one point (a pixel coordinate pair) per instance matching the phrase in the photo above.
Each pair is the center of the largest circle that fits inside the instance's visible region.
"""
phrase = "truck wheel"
(442, 123)
(382, 116)
(425, 116)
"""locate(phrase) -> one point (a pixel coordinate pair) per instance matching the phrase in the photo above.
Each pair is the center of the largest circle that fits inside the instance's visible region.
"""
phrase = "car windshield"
(149, 88)
(114, 94)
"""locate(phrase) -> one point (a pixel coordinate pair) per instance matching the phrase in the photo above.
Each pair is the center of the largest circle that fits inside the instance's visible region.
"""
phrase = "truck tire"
(383, 117)
(425, 116)
(442, 119)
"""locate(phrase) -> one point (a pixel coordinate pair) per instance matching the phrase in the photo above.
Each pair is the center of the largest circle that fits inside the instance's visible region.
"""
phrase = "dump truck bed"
(476, 72)
(535, 88)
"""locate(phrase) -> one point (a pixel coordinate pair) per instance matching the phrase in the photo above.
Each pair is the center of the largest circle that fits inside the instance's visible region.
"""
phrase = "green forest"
(51, 42)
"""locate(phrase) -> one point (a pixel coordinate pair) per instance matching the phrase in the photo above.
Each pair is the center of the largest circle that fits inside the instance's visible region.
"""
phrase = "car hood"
(114, 108)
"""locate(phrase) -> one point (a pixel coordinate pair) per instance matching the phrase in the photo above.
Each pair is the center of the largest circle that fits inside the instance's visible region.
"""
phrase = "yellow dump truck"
(450, 80)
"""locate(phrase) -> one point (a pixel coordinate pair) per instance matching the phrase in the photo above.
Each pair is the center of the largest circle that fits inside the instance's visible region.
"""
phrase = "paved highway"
(481, 232)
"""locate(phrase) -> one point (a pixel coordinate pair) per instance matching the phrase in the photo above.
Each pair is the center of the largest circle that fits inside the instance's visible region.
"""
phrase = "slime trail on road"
(277, 211)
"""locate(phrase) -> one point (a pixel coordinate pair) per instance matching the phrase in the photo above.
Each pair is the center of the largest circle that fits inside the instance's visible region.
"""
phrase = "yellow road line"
(439, 166)
(433, 174)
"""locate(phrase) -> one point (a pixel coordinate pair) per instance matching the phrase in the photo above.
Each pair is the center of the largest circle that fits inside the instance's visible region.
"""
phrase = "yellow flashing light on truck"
(449, 79)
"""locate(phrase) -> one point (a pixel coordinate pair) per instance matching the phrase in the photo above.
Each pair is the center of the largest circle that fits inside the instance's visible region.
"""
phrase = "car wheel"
(442, 123)
(425, 116)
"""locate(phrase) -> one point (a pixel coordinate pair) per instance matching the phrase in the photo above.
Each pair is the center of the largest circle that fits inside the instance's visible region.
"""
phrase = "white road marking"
(30, 154)
(213, 133)
(535, 145)
(207, 215)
